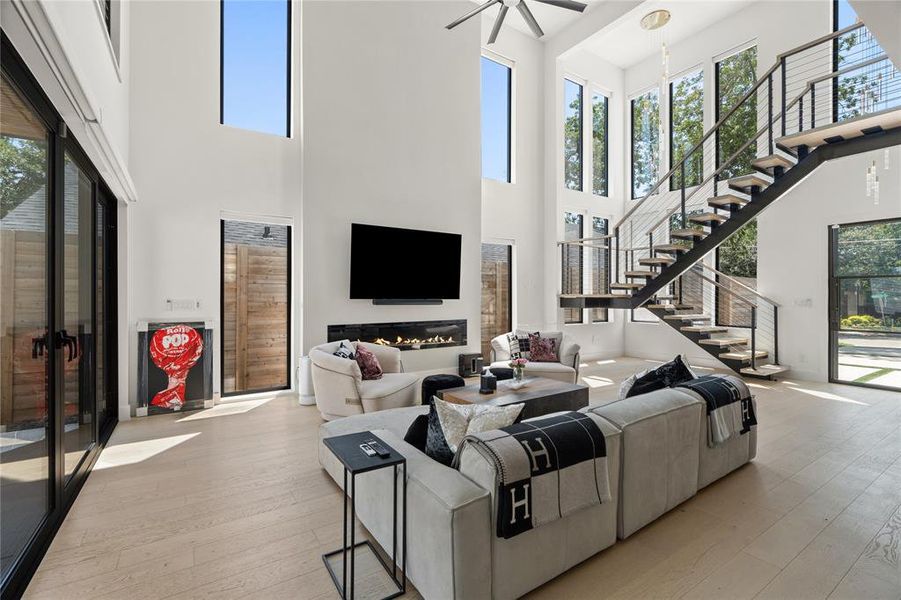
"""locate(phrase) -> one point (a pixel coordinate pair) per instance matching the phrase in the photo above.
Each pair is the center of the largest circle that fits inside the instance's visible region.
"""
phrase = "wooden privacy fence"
(255, 317)
(496, 316)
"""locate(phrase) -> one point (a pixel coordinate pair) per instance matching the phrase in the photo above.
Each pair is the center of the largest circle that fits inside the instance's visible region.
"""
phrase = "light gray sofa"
(341, 390)
(657, 458)
(565, 369)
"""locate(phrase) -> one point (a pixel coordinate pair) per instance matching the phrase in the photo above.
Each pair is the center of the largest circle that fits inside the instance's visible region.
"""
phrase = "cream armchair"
(341, 390)
(565, 369)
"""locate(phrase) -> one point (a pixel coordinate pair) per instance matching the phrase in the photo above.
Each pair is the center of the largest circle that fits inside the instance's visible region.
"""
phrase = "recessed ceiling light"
(655, 20)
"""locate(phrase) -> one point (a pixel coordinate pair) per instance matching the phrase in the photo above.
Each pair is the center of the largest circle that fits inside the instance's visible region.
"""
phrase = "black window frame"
(564, 260)
(509, 119)
(605, 285)
(675, 180)
(288, 91)
(606, 144)
(289, 308)
(581, 131)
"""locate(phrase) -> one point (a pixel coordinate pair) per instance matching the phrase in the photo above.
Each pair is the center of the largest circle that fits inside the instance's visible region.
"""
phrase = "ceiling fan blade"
(497, 23)
(529, 18)
(570, 4)
(472, 13)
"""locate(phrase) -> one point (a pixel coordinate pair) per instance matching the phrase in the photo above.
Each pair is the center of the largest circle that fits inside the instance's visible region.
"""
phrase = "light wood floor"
(231, 503)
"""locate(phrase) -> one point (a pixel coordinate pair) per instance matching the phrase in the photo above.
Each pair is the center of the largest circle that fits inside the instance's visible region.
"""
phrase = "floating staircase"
(697, 219)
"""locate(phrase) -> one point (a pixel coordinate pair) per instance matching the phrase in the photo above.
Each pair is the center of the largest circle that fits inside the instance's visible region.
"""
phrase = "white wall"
(392, 138)
(834, 194)
(511, 212)
(188, 168)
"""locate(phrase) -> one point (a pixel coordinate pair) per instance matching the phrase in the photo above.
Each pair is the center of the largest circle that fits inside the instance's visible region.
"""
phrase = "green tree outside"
(687, 107)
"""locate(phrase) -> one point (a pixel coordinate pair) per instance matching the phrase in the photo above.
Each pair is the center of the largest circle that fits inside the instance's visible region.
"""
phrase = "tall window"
(599, 132)
(572, 263)
(572, 135)
(496, 102)
(735, 75)
(736, 257)
(497, 293)
(645, 142)
(256, 285)
(255, 72)
(686, 119)
(600, 267)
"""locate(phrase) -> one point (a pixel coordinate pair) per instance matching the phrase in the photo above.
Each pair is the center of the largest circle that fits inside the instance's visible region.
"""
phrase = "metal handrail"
(720, 285)
(731, 111)
(737, 282)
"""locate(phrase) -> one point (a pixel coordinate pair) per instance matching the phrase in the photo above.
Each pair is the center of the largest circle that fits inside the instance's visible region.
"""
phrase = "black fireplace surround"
(407, 335)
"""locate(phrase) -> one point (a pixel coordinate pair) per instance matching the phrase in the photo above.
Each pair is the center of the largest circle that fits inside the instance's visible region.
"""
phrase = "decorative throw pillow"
(418, 432)
(627, 384)
(542, 349)
(369, 364)
(664, 376)
(344, 351)
(519, 345)
(449, 423)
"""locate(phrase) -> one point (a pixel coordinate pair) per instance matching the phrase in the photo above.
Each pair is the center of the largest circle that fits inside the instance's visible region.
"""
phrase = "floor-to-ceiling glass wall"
(865, 303)
(25, 401)
(57, 294)
(497, 293)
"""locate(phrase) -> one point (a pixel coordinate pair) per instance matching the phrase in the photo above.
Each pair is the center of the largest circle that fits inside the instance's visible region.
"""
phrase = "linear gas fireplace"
(408, 335)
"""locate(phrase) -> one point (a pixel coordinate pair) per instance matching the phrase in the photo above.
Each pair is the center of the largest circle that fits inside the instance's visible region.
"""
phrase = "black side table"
(346, 449)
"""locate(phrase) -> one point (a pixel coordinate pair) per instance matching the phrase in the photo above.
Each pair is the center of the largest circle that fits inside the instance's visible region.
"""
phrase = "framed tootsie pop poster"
(175, 366)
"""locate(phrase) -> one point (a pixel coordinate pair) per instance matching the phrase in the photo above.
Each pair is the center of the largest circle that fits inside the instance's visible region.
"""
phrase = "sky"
(495, 120)
(255, 65)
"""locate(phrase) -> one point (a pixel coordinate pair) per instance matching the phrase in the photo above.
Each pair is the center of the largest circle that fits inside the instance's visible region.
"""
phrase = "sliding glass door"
(865, 304)
(25, 396)
(57, 327)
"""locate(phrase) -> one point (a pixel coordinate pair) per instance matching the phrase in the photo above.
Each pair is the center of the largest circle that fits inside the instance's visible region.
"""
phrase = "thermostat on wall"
(182, 304)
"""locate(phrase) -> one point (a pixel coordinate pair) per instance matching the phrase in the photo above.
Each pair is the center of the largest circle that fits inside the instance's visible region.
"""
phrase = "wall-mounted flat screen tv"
(389, 263)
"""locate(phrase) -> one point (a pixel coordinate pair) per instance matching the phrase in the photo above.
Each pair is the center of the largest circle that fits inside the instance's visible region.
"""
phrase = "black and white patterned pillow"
(344, 351)
(519, 345)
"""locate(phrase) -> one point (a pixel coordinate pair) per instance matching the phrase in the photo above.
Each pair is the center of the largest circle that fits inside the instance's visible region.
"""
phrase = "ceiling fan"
(523, 10)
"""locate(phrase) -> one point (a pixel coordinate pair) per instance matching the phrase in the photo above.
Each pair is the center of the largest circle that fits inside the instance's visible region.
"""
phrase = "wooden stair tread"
(687, 233)
(764, 370)
(772, 161)
(684, 306)
(661, 306)
(707, 218)
(750, 180)
(686, 318)
(658, 260)
(746, 355)
(847, 129)
(727, 200)
(704, 328)
(626, 286)
(647, 274)
(665, 297)
(671, 248)
(569, 296)
(735, 341)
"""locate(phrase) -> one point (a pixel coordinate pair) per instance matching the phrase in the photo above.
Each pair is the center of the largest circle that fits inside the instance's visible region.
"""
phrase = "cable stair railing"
(837, 95)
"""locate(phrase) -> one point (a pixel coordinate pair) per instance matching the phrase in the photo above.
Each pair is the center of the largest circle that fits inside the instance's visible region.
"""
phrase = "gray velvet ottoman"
(660, 453)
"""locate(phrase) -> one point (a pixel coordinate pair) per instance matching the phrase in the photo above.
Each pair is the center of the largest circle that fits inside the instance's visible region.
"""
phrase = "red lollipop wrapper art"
(175, 350)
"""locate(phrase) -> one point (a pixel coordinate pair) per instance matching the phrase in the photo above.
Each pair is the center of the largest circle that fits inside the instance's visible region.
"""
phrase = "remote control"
(368, 450)
(379, 449)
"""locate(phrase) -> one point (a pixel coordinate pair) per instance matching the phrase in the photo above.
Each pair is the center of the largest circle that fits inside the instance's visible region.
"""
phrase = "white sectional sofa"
(657, 458)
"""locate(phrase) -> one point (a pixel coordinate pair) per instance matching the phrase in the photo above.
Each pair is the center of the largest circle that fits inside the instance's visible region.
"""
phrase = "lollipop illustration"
(175, 350)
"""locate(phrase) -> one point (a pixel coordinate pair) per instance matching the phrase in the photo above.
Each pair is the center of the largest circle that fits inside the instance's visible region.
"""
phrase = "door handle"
(69, 341)
(38, 346)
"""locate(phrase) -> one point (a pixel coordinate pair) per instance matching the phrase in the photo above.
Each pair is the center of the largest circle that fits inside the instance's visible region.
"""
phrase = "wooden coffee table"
(540, 396)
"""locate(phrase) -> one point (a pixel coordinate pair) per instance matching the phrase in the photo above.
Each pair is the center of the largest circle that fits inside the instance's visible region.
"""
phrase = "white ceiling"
(624, 43)
(551, 19)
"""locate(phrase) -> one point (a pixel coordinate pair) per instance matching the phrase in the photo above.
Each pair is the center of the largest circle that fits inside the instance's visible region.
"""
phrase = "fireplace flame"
(402, 341)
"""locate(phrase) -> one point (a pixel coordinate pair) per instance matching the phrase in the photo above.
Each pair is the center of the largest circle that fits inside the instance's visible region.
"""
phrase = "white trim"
(498, 58)
(734, 50)
(698, 68)
(233, 215)
(107, 35)
(595, 89)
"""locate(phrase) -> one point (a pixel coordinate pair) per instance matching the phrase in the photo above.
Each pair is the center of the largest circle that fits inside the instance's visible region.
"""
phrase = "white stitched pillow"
(519, 345)
(459, 420)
